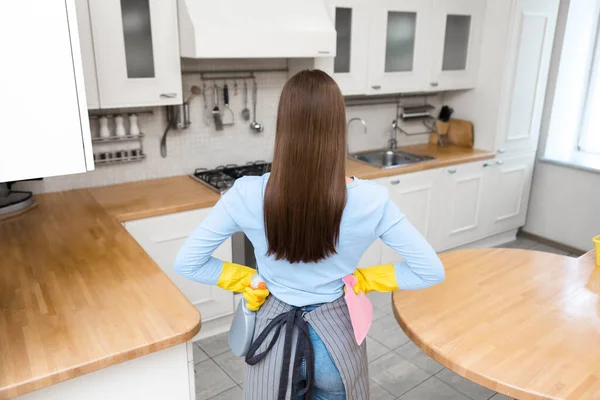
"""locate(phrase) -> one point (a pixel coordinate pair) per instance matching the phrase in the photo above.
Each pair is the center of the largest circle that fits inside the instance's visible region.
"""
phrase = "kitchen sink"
(388, 158)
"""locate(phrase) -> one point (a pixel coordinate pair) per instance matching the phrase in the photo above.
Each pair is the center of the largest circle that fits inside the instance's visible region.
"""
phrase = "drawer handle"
(168, 95)
(434, 84)
(499, 162)
(395, 181)
(452, 171)
(501, 150)
(376, 87)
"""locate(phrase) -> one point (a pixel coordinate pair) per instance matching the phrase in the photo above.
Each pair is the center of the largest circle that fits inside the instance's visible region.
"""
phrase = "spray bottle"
(241, 331)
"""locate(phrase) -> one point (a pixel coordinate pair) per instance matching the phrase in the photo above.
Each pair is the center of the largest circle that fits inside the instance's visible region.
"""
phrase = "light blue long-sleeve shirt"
(369, 214)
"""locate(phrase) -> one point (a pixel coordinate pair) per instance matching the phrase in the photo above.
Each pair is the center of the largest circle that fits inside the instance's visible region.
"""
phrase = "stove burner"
(222, 177)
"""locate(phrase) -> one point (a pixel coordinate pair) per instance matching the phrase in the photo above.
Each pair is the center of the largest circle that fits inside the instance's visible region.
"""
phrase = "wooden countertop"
(520, 322)
(446, 156)
(78, 294)
(135, 200)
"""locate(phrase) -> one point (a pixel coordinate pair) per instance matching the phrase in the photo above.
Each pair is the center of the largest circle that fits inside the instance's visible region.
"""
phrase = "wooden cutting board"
(460, 133)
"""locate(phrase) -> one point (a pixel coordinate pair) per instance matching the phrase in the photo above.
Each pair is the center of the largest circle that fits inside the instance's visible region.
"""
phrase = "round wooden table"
(520, 322)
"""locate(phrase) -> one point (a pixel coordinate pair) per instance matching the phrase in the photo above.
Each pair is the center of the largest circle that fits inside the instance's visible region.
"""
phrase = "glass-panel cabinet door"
(349, 66)
(456, 40)
(399, 46)
(136, 44)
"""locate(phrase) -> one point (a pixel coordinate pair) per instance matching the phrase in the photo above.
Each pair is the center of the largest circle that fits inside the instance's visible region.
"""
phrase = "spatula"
(360, 308)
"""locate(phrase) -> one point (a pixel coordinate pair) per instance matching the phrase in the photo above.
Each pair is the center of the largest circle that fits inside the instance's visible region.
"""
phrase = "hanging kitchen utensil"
(245, 111)
(227, 108)
(194, 91)
(207, 116)
(255, 126)
(216, 113)
(235, 87)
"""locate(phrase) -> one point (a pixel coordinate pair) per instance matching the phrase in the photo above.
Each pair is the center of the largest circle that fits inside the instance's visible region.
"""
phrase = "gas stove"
(221, 178)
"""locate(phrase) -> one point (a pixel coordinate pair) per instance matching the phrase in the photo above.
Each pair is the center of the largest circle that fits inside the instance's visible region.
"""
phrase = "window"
(589, 135)
(573, 137)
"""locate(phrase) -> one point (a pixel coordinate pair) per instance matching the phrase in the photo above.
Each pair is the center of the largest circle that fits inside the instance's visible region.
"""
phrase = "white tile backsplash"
(201, 146)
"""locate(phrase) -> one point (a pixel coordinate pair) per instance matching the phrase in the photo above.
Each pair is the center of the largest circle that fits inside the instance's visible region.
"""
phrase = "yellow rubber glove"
(381, 278)
(237, 278)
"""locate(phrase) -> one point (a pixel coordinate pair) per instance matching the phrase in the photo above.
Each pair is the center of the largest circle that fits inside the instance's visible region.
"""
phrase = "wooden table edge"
(64, 375)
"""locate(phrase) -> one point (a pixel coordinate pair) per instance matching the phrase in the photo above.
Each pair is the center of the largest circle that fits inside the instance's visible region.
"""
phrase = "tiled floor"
(398, 369)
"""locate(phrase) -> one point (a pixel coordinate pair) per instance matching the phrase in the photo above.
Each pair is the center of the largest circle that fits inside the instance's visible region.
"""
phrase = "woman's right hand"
(238, 278)
(380, 278)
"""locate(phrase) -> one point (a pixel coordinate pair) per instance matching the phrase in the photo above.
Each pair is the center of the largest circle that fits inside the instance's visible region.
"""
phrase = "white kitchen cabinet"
(396, 46)
(87, 54)
(511, 183)
(349, 68)
(416, 195)
(526, 74)
(399, 46)
(39, 44)
(136, 51)
(465, 203)
(161, 237)
(456, 31)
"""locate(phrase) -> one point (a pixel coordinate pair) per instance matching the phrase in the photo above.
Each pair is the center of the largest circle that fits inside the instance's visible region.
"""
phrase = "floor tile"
(396, 374)
(499, 396)
(433, 389)
(414, 354)
(232, 365)
(465, 386)
(375, 349)
(381, 300)
(379, 313)
(376, 392)
(549, 249)
(235, 393)
(199, 355)
(387, 332)
(215, 345)
(520, 243)
(211, 380)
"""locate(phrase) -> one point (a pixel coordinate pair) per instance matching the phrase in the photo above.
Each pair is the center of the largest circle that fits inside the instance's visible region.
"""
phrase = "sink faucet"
(393, 142)
(362, 121)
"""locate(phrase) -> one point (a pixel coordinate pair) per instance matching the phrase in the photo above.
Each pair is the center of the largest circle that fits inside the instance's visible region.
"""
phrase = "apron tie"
(304, 351)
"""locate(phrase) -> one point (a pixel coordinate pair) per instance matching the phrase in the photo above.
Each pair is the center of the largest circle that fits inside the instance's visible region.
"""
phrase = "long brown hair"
(306, 193)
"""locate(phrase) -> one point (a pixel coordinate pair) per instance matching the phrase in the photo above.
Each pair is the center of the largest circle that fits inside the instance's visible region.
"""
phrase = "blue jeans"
(328, 381)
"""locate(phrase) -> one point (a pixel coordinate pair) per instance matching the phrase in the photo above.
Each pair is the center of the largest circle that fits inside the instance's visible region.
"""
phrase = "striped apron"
(331, 322)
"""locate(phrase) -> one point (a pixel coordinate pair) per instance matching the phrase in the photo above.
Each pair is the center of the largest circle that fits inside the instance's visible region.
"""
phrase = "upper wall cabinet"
(398, 46)
(350, 66)
(456, 43)
(135, 52)
(530, 47)
(40, 52)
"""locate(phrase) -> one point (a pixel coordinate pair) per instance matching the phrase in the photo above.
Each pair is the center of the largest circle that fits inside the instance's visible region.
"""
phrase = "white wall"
(564, 201)
(202, 146)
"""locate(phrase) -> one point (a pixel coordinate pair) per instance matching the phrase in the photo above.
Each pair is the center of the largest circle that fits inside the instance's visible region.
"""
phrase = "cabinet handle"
(499, 162)
(395, 181)
(487, 164)
(452, 171)
(376, 87)
(434, 84)
(168, 95)
(501, 150)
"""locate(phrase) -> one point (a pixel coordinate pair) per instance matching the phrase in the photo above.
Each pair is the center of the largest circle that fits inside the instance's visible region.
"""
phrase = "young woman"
(310, 225)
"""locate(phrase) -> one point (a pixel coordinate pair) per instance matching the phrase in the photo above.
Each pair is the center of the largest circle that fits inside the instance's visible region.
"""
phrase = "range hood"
(255, 29)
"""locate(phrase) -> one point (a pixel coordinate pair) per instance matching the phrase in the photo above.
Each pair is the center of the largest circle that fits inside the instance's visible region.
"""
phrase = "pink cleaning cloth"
(360, 308)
